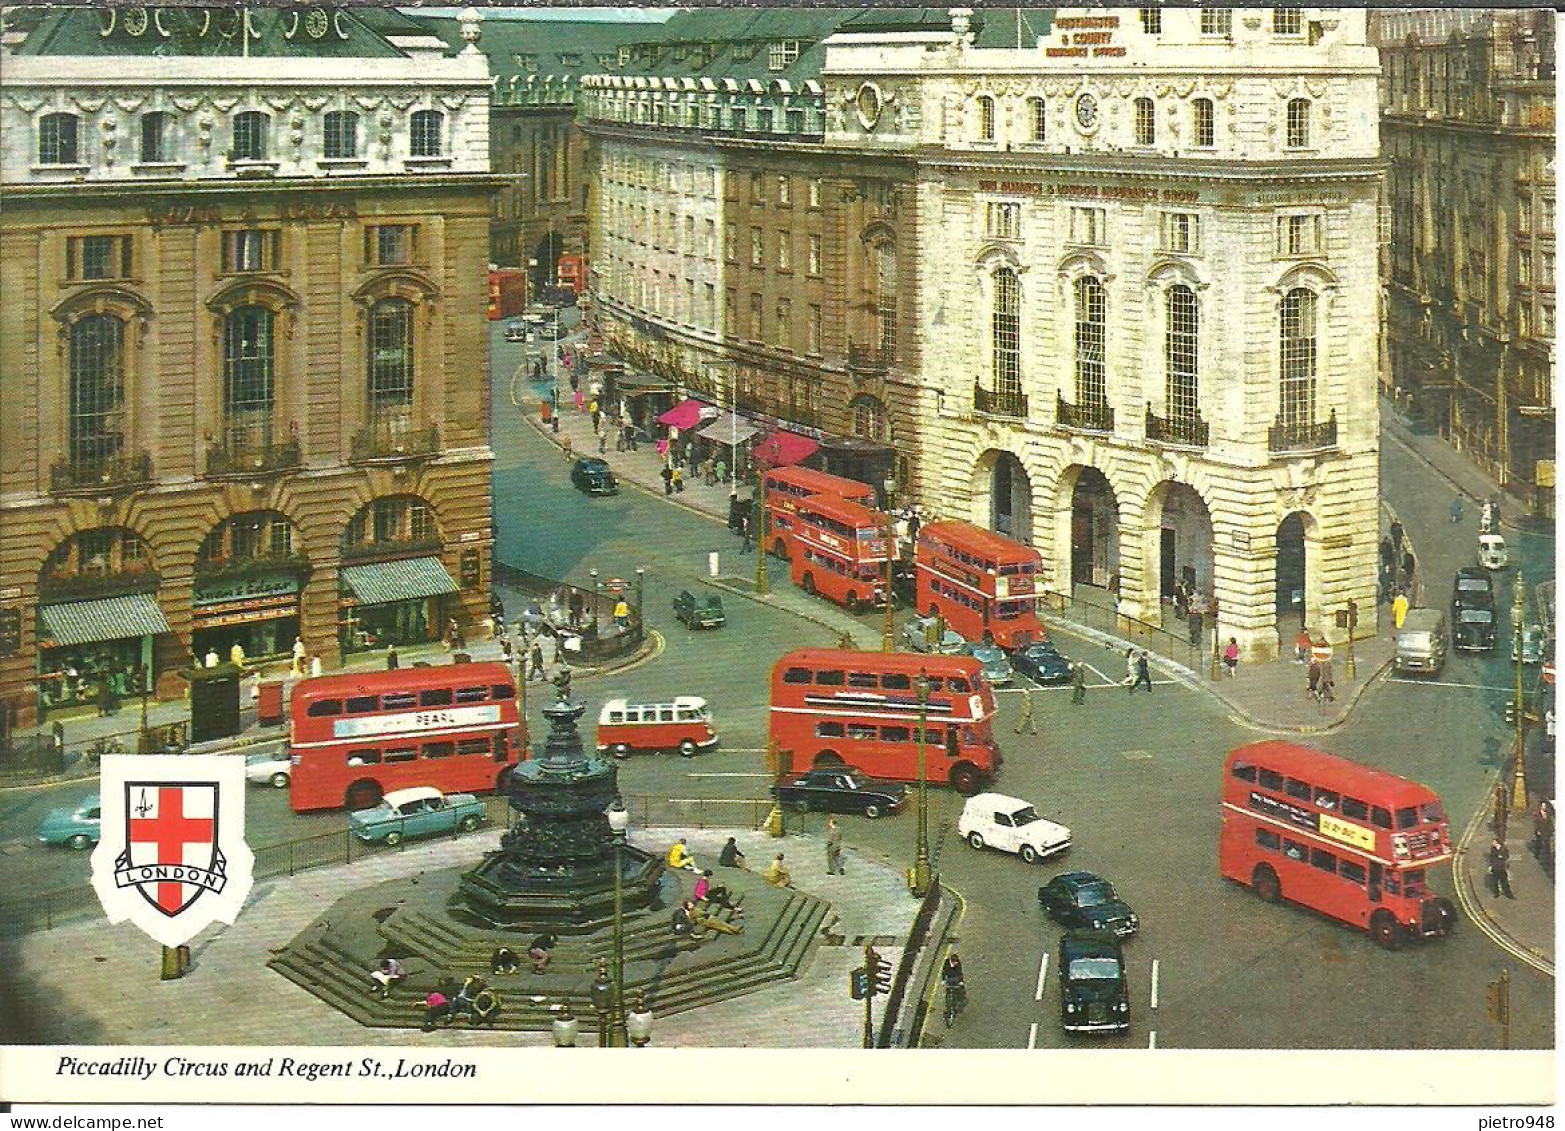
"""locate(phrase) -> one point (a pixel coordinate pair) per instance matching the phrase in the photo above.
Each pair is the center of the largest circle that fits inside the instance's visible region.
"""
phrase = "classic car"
(419, 811)
(75, 826)
(841, 789)
(920, 632)
(516, 332)
(268, 769)
(1009, 824)
(1040, 663)
(1472, 611)
(592, 475)
(1094, 992)
(1534, 645)
(1080, 899)
(1492, 553)
(997, 669)
(703, 611)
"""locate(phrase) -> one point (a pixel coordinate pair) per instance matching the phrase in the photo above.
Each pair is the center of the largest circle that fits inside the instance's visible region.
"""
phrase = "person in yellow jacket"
(777, 875)
(1398, 609)
(679, 856)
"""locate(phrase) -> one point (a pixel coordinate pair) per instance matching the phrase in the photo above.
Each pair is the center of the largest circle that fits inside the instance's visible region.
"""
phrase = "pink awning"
(784, 449)
(686, 414)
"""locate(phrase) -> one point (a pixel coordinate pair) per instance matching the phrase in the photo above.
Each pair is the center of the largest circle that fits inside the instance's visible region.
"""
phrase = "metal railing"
(1186, 431)
(599, 637)
(1000, 402)
(1089, 417)
(869, 357)
(107, 473)
(1297, 436)
(237, 457)
(392, 441)
(917, 940)
(1097, 608)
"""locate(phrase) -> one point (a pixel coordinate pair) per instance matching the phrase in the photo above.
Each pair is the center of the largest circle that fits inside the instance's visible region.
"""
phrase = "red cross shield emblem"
(171, 853)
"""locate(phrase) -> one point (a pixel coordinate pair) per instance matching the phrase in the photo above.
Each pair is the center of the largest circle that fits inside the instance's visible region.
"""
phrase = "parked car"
(516, 332)
(996, 668)
(1094, 992)
(841, 790)
(592, 475)
(1534, 645)
(275, 770)
(1040, 663)
(705, 611)
(1492, 553)
(75, 827)
(1080, 899)
(919, 634)
(1472, 611)
(993, 820)
(419, 811)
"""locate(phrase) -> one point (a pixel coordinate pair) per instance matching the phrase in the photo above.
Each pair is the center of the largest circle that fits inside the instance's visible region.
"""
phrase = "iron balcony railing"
(869, 357)
(394, 441)
(1184, 431)
(1001, 402)
(124, 469)
(1298, 436)
(237, 455)
(1089, 417)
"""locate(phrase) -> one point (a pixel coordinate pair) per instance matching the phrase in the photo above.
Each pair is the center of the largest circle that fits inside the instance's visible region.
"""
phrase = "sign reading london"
(172, 858)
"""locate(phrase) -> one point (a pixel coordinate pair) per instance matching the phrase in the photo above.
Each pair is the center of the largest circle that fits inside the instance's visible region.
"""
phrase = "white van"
(1421, 642)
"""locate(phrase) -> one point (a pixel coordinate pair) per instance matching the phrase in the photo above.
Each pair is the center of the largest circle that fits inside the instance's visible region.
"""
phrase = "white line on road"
(1032, 1035)
(1106, 680)
(735, 774)
(1152, 1040)
(1154, 983)
(742, 750)
(1043, 973)
(1444, 683)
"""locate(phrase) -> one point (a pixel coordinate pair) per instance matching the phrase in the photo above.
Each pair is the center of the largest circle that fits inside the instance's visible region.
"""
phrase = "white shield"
(172, 858)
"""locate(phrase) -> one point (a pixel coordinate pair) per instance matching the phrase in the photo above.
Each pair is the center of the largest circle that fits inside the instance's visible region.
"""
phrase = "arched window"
(1091, 319)
(1006, 333)
(985, 118)
(427, 128)
(1040, 118)
(342, 135)
(1146, 121)
(157, 138)
(97, 368)
(1297, 361)
(1205, 124)
(57, 140)
(1182, 318)
(394, 520)
(869, 419)
(247, 536)
(1298, 123)
(251, 141)
(390, 361)
(248, 361)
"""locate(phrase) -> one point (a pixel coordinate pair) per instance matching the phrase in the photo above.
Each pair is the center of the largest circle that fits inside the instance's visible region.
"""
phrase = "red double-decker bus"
(838, 550)
(356, 736)
(1339, 838)
(831, 707)
(787, 487)
(984, 585)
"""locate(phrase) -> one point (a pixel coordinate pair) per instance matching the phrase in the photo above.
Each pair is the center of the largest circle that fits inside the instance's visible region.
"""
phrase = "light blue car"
(419, 811)
(997, 669)
(76, 827)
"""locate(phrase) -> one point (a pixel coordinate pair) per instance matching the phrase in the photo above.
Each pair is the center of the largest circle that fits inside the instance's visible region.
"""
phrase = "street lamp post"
(888, 640)
(760, 530)
(619, 821)
(641, 577)
(920, 877)
(1519, 780)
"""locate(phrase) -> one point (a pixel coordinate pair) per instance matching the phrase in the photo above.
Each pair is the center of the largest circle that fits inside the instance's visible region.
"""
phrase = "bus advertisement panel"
(985, 585)
(786, 487)
(834, 707)
(357, 736)
(838, 550)
(1339, 838)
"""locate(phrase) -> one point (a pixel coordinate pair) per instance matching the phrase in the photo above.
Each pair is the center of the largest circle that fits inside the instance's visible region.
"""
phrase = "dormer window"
(1217, 21)
(1287, 21)
(57, 140)
(782, 54)
(251, 129)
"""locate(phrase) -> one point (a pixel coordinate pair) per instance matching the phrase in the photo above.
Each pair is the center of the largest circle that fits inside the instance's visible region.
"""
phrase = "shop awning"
(637, 384)
(684, 415)
(783, 449)
(727, 430)
(408, 579)
(109, 618)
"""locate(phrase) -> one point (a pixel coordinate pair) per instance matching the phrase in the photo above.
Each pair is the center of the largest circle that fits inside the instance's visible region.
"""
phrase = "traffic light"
(858, 985)
(879, 971)
(10, 631)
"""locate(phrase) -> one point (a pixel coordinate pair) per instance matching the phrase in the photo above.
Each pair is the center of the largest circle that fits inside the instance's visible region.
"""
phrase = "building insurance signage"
(245, 589)
(1083, 36)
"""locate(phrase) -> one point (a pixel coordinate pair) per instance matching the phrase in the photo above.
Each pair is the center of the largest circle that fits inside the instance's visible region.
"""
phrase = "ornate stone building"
(1151, 347)
(243, 254)
(1467, 129)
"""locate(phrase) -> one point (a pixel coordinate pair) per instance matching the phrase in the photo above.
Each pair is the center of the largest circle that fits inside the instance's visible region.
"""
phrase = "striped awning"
(726, 429)
(380, 583)
(108, 618)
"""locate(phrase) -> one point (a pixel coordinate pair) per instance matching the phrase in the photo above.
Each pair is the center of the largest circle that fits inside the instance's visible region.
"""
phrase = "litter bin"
(544, 411)
(269, 703)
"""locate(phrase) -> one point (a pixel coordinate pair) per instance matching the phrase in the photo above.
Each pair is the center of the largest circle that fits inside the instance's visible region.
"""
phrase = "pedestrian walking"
(745, 545)
(834, 848)
(706, 472)
(393, 662)
(1231, 657)
(1195, 621)
(1078, 684)
(1500, 870)
(315, 667)
(720, 470)
(1408, 565)
(1143, 671)
(1398, 609)
(603, 443)
(1314, 691)
(505, 649)
(536, 658)
(621, 615)
(667, 475)
(1328, 682)
(1456, 509)
(565, 443)
(679, 481)
(298, 657)
(734, 511)
(1025, 719)
(1130, 670)
(1396, 536)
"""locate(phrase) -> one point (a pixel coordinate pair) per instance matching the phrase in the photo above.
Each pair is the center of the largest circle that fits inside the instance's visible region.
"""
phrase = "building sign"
(173, 212)
(263, 587)
(1084, 36)
(409, 722)
(1081, 191)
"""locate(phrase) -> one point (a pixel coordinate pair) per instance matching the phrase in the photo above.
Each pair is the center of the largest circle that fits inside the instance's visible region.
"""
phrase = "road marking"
(735, 774)
(1137, 755)
(1043, 972)
(1152, 1039)
(741, 750)
(1443, 683)
(1032, 1035)
(1107, 682)
(1154, 983)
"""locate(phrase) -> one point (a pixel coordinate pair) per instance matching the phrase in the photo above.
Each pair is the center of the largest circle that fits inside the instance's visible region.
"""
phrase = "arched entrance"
(249, 576)
(1094, 554)
(544, 264)
(1010, 499)
(1184, 539)
(1293, 604)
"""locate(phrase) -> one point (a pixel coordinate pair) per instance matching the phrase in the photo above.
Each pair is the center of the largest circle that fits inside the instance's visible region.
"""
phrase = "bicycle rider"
(955, 986)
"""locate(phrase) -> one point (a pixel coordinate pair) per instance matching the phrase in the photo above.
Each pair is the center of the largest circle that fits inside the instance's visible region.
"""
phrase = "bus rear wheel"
(362, 795)
(1385, 930)
(854, 604)
(780, 549)
(1265, 883)
(807, 583)
(965, 778)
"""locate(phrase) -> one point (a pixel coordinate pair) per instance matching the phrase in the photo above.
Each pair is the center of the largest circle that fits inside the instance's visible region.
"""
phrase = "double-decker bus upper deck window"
(471, 694)
(397, 700)
(435, 697)
(666, 713)
(1270, 779)
(363, 704)
(616, 716)
(829, 679)
(796, 675)
(896, 681)
(401, 754)
(502, 691)
(863, 679)
(1353, 873)
(1268, 839)
(1296, 788)
(322, 708)
(958, 684)
(689, 714)
(1325, 799)
(1353, 807)
(1379, 817)
(936, 684)
(1407, 818)
(1325, 861)
(1243, 771)
(828, 730)
(439, 749)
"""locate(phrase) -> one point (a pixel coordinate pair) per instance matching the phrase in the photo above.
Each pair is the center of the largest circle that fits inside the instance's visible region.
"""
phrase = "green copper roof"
(273, 32)
(562, 48)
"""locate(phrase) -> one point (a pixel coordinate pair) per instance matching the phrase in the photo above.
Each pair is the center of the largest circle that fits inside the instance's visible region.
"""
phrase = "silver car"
(919, 636)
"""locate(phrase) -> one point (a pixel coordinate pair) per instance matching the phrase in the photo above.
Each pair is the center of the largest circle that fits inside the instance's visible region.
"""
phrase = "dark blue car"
(1040, 663)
